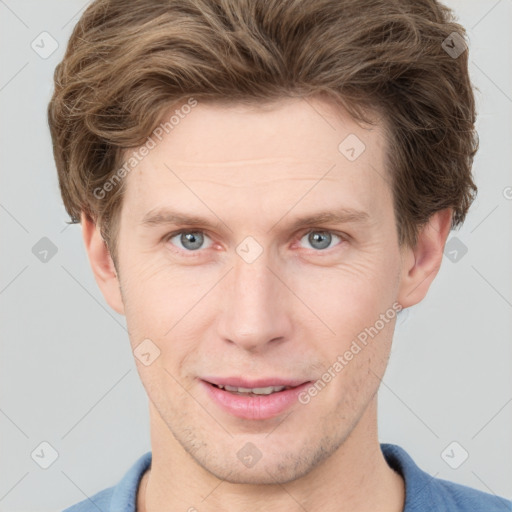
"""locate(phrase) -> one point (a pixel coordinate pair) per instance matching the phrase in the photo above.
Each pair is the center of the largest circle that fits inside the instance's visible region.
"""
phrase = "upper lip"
(241, 382)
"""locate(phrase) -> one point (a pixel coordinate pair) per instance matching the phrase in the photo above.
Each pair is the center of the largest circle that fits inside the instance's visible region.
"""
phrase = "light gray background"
(67, 373)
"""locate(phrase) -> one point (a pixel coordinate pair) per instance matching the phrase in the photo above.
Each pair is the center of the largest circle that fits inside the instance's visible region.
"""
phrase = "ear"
(421, 263)
(102, 264)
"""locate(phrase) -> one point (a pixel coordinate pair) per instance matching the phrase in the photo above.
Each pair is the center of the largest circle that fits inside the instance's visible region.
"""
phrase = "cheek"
(152, 299)
(354, 369)
(348, 297)
(164, 305)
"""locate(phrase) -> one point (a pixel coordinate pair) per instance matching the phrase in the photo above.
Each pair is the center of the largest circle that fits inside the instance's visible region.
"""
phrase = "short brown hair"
(128, 61)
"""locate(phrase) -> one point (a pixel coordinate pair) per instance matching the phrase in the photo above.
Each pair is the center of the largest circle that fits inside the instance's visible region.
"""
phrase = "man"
(262, 187)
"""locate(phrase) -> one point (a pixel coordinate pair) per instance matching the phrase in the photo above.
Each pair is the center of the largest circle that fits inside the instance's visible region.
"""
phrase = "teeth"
(257, 391)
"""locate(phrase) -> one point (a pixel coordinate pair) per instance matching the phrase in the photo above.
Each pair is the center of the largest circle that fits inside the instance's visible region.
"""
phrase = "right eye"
(191, 241)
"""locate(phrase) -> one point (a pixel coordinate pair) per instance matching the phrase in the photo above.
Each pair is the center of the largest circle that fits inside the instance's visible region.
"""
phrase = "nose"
(255, 305)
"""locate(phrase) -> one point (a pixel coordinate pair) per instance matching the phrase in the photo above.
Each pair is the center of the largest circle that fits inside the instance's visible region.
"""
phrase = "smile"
(254, 391)
(256, 400)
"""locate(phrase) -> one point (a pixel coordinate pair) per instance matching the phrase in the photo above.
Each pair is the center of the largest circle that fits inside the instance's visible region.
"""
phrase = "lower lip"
(252, 407)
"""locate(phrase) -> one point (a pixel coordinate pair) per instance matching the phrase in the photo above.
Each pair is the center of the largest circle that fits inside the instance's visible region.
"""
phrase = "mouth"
(253, 399)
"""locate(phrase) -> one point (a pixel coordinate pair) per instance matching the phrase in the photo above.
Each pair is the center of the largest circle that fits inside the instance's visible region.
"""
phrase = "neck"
(355, 478)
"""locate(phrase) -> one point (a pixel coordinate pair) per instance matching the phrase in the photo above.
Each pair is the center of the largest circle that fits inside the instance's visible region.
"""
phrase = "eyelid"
(306, 231)
(185, 230)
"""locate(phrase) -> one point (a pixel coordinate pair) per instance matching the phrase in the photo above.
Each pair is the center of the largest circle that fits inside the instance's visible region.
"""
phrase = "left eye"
(320, 239)
(189, 240)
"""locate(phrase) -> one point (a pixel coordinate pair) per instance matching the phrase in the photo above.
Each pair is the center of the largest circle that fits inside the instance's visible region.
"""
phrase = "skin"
(289, 313)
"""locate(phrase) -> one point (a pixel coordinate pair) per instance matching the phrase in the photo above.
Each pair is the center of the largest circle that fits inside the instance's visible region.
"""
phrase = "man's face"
(253, 296)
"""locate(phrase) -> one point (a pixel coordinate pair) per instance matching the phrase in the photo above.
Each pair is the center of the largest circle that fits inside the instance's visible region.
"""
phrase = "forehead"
(255, 154)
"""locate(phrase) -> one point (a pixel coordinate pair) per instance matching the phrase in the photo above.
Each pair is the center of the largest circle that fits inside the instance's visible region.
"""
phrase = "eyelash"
(342, 237)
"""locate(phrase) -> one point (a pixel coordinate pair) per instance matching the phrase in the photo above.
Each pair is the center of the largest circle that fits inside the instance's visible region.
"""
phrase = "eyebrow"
(166, 216)
(339, 216)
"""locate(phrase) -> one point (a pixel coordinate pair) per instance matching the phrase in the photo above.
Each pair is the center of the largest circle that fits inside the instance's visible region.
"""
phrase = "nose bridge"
(254, 309)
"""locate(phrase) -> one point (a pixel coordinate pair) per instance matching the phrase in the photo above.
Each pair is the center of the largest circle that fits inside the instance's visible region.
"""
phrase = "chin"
(273, 466)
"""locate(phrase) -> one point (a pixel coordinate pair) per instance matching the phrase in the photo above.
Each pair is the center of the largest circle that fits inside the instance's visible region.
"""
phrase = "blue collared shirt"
(423, 493)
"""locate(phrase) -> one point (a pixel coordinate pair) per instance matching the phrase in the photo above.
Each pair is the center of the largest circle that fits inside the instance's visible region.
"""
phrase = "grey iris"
(195, 238)
(321, 237)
